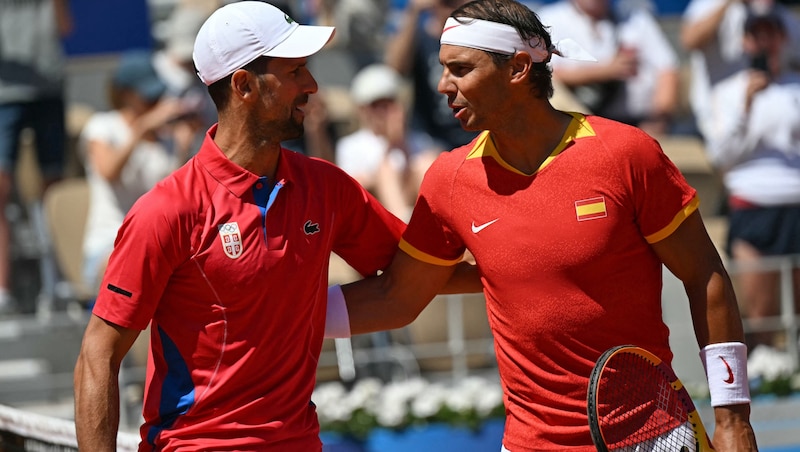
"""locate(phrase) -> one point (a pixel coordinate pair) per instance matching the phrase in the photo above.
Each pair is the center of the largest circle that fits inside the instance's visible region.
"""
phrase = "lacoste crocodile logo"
(310, 228)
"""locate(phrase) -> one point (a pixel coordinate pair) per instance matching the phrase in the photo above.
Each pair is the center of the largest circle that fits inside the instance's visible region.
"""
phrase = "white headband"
(504, 39)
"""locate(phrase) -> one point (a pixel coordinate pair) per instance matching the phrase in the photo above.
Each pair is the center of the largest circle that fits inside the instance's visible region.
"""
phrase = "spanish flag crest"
(591, 208)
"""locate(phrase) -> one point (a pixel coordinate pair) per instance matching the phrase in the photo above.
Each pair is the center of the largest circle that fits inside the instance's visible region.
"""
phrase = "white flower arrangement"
(772, 371)
(397, 405)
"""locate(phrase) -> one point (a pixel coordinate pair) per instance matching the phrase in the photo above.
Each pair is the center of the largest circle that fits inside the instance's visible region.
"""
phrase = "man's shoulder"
(456, 156)
(181, 192)
(607, 126)
(448, 164)
(300, 162)
(318, 174)
(615, 135)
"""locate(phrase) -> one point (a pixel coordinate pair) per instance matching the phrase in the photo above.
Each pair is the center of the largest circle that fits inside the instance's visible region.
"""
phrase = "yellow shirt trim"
(579, 127)
(425, 257)
(677, 221)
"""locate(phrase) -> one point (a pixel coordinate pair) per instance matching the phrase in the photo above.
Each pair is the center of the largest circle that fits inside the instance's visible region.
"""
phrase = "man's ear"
(520, 64)
(242, 83)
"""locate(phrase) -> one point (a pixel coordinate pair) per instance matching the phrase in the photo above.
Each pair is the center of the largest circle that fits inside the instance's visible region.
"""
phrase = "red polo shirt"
(233, 274)
(565, 259)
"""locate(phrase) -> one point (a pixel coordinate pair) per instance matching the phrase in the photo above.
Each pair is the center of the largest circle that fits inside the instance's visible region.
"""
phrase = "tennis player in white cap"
(227, 260)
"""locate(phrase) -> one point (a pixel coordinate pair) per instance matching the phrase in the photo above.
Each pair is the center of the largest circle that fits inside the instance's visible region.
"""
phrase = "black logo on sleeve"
(118, 290)
(310, 228)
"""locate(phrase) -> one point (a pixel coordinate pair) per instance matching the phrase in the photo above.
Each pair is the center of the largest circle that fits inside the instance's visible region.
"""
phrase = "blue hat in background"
(135, 71)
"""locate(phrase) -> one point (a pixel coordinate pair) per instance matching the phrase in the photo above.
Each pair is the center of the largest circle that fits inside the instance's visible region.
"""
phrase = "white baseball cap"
(375, 82)
(240, 32)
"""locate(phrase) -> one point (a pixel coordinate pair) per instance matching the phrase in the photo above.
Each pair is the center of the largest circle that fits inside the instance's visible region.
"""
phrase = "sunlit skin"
(484, 96)
(284, 93)
(266, 109)
(466, 75)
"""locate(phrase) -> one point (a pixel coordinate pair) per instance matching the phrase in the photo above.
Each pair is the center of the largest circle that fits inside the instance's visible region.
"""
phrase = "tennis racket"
(635, 402)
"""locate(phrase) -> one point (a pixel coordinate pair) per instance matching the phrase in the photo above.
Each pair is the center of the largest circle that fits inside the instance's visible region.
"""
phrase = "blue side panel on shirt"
(177, 390)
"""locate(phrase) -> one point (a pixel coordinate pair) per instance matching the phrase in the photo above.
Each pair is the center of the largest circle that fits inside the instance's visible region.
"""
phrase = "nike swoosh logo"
(477, 229)
(730, 378)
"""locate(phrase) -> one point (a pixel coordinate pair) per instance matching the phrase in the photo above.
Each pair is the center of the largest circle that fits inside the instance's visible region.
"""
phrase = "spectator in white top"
(754, 140)
(635, 78)
(384, 154)
(125, 154)
(712, 31)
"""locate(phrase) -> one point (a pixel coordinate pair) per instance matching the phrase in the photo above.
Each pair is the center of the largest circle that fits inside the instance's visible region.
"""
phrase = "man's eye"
(459, 70)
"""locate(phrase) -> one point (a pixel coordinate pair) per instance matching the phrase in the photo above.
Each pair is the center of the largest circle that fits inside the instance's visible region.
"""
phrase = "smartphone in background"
(759, 63)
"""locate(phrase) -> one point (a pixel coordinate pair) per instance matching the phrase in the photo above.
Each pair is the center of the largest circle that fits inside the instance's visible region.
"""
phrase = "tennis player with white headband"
(505, 40)
(570, 219)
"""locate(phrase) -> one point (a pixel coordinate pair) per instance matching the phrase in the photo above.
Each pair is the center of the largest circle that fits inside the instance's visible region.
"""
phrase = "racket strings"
(639, 410)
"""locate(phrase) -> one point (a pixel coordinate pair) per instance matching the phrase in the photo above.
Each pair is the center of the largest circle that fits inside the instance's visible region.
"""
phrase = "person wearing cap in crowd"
(125, 152)
(384, 154)
(569, 218)
(227, 260)
(754, 141)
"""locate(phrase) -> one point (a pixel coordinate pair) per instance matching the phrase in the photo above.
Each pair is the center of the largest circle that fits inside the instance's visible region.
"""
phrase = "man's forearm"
(96, 409)
(733, 431)
(465, 279)
(400, 50)
(371, 308)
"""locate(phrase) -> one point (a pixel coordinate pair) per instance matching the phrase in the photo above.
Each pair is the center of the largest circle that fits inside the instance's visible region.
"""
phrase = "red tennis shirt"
(565, 261)
(232, 274)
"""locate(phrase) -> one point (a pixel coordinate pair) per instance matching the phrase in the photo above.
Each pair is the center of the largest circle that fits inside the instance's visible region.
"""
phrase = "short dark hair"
(527, 24)
(768, 19)
(220, 92)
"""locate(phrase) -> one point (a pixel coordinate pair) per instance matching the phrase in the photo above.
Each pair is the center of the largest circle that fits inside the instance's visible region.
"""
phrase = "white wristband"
(337, 322)
(726, 369)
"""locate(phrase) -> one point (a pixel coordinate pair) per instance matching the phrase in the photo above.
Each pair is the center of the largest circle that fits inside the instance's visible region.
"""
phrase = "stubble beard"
(277, 131)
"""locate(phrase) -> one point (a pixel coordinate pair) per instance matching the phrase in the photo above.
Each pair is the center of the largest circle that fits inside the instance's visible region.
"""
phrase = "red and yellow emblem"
(591, 209)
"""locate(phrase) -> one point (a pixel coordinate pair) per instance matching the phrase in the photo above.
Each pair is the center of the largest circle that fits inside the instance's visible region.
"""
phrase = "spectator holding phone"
(712, 33)
(635, 77)
(754, 140)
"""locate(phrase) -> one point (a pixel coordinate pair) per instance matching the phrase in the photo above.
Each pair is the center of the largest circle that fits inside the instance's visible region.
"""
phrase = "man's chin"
(294, 132)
